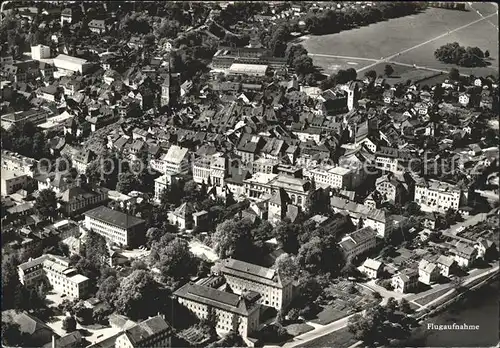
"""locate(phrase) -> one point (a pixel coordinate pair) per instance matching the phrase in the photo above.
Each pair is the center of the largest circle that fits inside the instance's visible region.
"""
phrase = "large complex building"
(242, 276)
(233, 312)
(115, 226)
(12, 181)
(434, 195)
(330, 176)
(68, 65)
(19, 163)
(358, 242)
(35, 116)
(153, 332)
(63, 278)
(176, 160)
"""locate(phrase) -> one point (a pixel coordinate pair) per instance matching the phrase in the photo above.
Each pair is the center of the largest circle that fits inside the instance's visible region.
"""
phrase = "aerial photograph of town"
(279, 174)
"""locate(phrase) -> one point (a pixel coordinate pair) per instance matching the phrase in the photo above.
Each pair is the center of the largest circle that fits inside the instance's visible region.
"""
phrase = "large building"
(12, 181)
(233, 312)
(242, 276)
(76, 200)
(19, 118)
(40, 52)
(248, 69)
(176, 160)
(358, 242)
(68, 65)
(63, 278)
(439, 196)
(210, 169)
(115, 226)
(330, 176)
(19, 163)
(153, 332)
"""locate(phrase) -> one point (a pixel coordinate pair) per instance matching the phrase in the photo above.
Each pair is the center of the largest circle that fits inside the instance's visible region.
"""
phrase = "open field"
(427, 31)
(432, 296)
(339, 339)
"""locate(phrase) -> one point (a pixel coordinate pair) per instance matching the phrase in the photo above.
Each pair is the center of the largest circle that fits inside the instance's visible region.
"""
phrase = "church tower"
(165, 90)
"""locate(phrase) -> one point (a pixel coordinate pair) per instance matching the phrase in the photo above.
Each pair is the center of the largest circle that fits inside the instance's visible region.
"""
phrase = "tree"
(96, 249)
(287, 235)
(126, 182)
(411, 209)
(486, 54)
(12, 335)
(454, 74)
(108, 290)
(176, 260)
(320, 254)
(232, 238)
(137, 296)
(293, 314)
(69, 324)
(10, 282)
(303, 65)
(287, 266)
(404, 306)
(295, 51)
(46, 204)
(371, 74)
(388, 70)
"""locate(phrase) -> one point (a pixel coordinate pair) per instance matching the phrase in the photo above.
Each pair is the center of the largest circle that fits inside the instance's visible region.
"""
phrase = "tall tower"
(352, 95)
(165, 90)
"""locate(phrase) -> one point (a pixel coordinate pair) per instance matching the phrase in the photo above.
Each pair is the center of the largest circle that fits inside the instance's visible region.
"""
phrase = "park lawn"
(481, 34)
(331, 313)
(330, 65)
(389, 37)
(431, 297)
(339, 339)
(298, 328)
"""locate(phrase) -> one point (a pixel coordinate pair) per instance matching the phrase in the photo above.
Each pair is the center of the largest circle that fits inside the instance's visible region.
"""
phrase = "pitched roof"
(251, 272)
(114, 217)
(146, 329)
(372, 264)
(176, 154)
(213, 297)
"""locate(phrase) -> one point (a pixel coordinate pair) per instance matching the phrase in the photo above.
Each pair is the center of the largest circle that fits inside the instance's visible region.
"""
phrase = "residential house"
(428, 272)
(182, 216)
(483, 246)
(465, 255)
(176, 160)
(445, 265)
(405, 281)
(372, 268)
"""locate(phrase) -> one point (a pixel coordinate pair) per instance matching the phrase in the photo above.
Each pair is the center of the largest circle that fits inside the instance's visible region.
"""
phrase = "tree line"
(453, 53)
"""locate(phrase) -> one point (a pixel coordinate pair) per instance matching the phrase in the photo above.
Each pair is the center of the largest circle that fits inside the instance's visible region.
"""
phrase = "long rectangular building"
(242, 276)
(233, 312)
(115, 226)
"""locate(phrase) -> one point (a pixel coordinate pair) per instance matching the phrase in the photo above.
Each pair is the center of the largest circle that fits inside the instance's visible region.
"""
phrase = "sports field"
(410, 40)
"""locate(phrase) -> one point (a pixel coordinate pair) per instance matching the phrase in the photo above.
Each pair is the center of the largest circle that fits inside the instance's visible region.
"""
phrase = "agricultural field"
(428, 30)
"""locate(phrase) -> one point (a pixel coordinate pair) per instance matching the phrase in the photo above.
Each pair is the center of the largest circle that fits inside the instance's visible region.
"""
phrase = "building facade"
(115, 226)
(63, 278)
(434, 195)
(233, 312)
(358, 242)
(152, 332)
(243, 276)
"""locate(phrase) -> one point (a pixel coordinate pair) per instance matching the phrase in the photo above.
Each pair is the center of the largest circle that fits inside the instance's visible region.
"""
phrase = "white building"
(68, 65)
(210, 169)
(12, 181)
(330, 176)
(63, 279)
(428, 272)
(358, 242)
(152, 332)
(242, 276)
(405, 281)
(163, 182)
(371, 268)
(248, 69)
(434, 195)
(176, 160)
(465, 255)
(115, 226)
(19, 163)
(233, 312)
(40, 52)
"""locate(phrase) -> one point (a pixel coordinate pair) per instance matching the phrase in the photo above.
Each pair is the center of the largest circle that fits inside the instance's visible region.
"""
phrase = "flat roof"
(248, 68)
(70, 59)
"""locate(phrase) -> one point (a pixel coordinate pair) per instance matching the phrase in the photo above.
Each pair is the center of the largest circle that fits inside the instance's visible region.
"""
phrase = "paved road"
(426, 42)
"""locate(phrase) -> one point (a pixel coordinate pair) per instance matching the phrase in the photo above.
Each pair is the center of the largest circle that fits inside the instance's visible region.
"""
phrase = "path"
(342, 57)
(481, 15)
(388, 58)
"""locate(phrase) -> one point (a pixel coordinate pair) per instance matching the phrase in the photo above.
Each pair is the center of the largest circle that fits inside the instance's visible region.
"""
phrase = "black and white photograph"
(275, 174)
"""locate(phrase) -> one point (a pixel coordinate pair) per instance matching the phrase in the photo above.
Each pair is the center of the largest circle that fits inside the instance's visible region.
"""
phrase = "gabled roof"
(251, 272)
(146, 330)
